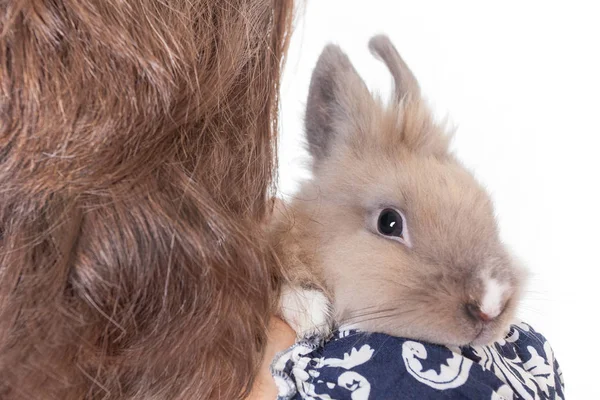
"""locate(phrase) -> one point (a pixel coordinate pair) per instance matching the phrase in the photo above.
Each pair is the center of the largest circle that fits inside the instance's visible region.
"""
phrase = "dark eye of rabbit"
(390, 223)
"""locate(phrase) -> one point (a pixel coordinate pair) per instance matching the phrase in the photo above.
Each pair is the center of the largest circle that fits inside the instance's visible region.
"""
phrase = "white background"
(520, 80)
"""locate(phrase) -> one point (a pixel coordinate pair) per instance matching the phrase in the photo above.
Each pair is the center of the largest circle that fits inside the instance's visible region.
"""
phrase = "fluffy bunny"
(392, 234)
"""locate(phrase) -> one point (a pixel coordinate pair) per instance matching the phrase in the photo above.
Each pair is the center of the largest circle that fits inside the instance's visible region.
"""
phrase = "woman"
(136, 158)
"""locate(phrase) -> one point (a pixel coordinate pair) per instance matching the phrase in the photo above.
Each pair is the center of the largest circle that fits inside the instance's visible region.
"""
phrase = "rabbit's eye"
(390, 223)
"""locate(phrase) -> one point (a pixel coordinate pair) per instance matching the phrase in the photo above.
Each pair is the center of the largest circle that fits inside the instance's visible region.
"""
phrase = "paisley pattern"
(359, 366)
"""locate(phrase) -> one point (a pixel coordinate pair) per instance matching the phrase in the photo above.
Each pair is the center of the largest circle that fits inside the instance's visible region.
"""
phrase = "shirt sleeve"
(358, 366)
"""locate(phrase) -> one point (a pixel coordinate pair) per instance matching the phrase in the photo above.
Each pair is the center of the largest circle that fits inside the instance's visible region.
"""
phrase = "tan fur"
(369, 156)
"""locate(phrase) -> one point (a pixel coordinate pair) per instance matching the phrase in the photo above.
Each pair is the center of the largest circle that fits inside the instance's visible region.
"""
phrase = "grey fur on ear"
(405, 82)
(336, 97)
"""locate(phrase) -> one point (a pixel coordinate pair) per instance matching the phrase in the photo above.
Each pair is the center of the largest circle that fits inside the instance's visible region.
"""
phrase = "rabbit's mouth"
(476, 341)
(492, 330)
(488, 334)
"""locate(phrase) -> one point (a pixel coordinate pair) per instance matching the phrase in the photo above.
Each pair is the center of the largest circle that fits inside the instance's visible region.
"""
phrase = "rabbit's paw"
(307, 311)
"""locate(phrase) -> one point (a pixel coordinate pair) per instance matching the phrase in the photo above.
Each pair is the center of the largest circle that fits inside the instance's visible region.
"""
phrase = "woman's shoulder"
(357, 365)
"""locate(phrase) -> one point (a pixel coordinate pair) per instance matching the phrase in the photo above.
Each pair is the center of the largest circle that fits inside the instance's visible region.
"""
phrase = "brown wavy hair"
(136, 166)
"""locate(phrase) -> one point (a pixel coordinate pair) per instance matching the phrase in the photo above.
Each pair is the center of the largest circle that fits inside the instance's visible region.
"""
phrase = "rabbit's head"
(407, 239)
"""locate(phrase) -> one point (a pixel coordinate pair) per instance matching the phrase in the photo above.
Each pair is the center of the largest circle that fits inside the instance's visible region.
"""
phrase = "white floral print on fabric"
(453, 373)
(355, 384)
(360, 366)
(531, 379)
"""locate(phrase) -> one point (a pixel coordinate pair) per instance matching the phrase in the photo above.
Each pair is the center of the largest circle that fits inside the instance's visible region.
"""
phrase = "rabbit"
(392, 234)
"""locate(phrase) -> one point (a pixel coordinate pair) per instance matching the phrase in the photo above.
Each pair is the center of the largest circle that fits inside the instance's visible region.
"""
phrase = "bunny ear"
(338, 102)
(420, 132)
(405, 82)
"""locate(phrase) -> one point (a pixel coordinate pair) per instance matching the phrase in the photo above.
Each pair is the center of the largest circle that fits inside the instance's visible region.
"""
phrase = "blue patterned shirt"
(358, 366)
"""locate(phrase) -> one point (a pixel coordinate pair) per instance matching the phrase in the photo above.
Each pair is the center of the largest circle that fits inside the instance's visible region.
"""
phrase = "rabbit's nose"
(474, 311)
